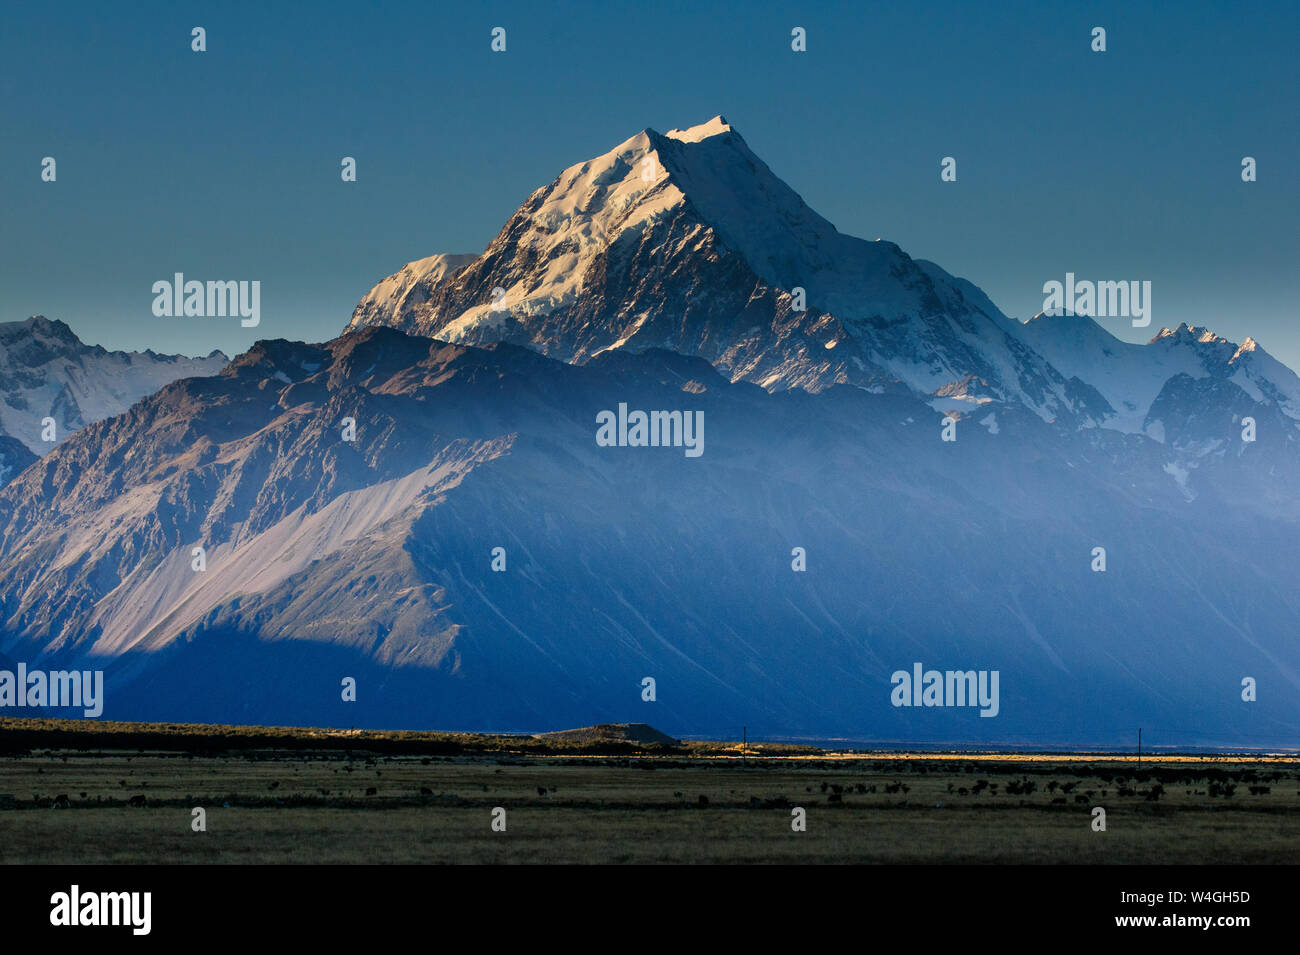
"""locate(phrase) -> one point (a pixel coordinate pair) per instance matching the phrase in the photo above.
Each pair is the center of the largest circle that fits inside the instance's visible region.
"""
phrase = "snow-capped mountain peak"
(1185, 333)
(714, 127)
(688, 241)
(1131, 377)
(46, 371)
(1248, 344)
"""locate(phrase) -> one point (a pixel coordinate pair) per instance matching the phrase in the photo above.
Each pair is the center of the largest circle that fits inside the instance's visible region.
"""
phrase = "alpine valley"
(676, 272)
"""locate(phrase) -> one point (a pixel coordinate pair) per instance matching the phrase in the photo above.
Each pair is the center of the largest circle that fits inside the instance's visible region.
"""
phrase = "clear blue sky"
(225, 165)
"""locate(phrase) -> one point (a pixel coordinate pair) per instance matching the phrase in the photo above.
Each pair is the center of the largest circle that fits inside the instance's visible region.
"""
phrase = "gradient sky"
(225, 165)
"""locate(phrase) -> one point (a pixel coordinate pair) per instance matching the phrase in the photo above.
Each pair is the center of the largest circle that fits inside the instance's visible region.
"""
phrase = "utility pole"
(1139, 747)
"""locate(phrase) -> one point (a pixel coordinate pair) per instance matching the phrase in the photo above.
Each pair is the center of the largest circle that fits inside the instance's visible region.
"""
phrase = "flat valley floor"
(304, 807)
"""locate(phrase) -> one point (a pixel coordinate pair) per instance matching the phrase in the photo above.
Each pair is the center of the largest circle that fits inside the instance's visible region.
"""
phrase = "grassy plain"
(292, 797)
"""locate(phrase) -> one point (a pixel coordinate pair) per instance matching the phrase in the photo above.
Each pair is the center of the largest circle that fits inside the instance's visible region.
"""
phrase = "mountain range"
(352, 497)
(46, 371)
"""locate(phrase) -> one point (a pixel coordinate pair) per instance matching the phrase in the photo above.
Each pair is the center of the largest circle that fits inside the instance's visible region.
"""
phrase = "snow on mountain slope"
(688, 241)
(1265, 378)
(47, 371)
(1131, 376)
(405, 289)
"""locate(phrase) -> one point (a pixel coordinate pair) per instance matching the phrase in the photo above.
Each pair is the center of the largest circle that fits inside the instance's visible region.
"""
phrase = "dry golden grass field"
(284, 800)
